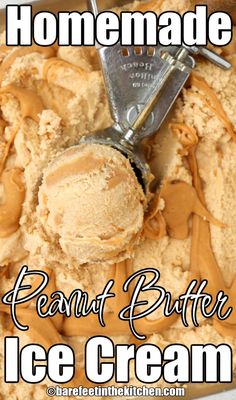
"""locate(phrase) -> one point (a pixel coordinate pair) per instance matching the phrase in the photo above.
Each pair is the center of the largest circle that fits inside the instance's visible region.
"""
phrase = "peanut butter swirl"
(202, 262)
(209, 98)
(153, 5)
(14, 191)
(181, 201)
(54, 63)
(46, 52)
(154, 224)
(30, 103)
(6, 145)
(14, 194)
(13, 188)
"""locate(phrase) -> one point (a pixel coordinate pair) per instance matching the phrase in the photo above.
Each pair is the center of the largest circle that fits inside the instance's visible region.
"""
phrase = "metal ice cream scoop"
(142, 84)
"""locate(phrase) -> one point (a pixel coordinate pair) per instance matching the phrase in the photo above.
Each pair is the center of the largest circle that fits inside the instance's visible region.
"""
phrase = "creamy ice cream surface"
(91, 201)
(79, 213)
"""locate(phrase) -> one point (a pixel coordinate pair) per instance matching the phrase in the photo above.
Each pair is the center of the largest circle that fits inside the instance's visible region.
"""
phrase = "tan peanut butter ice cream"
(91, 200)
(78, 212)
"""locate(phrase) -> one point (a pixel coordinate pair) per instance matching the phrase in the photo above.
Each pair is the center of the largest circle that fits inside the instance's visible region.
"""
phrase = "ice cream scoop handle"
(92, 6)
(153, 99)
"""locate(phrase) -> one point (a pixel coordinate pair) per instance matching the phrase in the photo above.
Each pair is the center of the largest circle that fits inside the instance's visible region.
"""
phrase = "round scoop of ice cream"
(90, 201)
